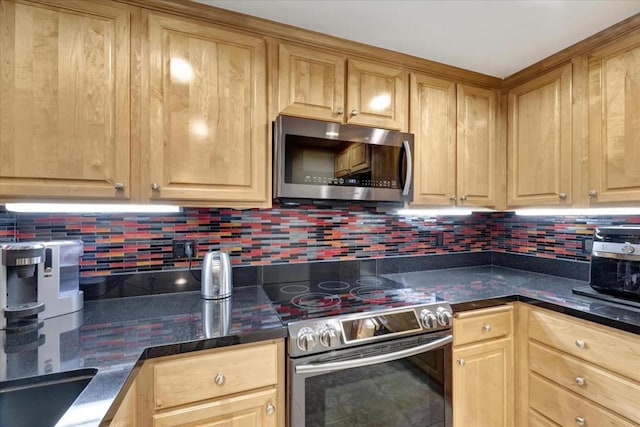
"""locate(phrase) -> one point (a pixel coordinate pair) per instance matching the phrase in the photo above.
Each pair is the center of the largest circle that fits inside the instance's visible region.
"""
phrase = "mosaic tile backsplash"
(126, 243)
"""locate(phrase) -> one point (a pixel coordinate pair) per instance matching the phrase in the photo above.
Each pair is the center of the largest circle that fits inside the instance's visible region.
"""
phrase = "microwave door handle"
(406, 186)
(321, 368)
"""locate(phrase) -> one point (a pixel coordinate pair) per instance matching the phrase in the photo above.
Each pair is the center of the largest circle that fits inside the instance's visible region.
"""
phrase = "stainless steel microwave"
(317, 160)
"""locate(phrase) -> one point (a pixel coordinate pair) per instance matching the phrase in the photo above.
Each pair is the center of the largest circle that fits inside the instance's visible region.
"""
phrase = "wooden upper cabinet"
(311, 83)
(206, 138)
(433, 123)
(376, 95)
(324, 85)
(614, 122)
(478, 158)
(456, 148)
(64, 86)
(539, 141)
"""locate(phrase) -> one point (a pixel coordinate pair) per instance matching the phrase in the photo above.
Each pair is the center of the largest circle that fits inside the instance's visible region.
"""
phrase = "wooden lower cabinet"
(237, 386)
(483, 374)
(575, 372)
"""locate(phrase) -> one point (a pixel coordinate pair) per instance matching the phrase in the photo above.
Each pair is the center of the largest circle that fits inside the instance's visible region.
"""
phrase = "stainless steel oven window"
(391, 389)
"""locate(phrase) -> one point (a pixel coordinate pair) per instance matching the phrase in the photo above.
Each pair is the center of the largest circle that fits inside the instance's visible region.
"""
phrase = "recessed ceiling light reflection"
(380, 102)
(181, 70)
(199, 128)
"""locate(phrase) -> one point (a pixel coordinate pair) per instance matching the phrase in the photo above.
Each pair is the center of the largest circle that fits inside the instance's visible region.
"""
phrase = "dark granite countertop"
(114, 336)
(482, 286)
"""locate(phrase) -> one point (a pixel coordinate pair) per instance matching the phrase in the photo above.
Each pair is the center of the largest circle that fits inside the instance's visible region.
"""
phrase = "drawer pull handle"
(580, 421)
(580, 381)
(461, 362)
(220, 379)
(486, 328)
(581, 344)
(270, 409)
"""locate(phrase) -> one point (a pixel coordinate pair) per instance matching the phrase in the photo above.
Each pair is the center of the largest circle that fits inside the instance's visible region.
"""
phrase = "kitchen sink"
(40, 401)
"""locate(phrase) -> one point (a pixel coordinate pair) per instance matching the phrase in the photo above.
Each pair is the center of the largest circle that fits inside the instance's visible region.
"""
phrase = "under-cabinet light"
(89, 208)
(434, 212)
(578, 212)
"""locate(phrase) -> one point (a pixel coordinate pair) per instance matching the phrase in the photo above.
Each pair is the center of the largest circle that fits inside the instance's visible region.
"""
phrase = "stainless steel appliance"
(39, 280)
(328, 161)
(216, 276)
(615, 261)
(365, 352)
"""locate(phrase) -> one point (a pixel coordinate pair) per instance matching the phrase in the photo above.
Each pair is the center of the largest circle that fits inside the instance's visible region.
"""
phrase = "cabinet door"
(256, 409)
(207, 131)
(311, 83)
(539, 141)
(64, 85)
(433, 123)
(483, 385)
(477, 150)
(614, 122)
(376, 95)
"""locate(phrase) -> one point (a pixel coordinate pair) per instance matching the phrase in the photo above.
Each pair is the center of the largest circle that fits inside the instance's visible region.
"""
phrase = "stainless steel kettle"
(216, 279)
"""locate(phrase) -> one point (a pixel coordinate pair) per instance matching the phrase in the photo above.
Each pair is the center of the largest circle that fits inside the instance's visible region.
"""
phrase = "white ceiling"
(495, 37)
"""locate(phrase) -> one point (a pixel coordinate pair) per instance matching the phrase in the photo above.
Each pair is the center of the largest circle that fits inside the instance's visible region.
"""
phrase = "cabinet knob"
(463, 198)
(118, 186)
(220, 379)
(593, 193)
(580, 381)
(486, 328)
(580, 421)
(581, 344)
(461, 362)
(155, 186)
(339, 111)
(270, 409)
(453, 198)
(562, 196)
(354, 112)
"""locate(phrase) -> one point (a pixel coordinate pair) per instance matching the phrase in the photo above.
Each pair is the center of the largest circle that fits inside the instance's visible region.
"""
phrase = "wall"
(129, 243)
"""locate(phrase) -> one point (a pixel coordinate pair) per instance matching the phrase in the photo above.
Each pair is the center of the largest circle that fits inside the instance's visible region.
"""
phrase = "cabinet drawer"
(614, 350)
(191, 379)
(537, 420)
(566, 408)
(480, 325)
(609, 390)
(251, 409)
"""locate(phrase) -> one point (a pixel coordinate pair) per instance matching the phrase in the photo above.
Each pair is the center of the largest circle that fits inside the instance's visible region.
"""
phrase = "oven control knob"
(444, 316)
(329, 336)
(429, 320)
(307, 339)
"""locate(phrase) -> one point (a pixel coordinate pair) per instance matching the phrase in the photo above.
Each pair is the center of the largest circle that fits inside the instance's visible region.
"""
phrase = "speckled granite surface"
(115, 335)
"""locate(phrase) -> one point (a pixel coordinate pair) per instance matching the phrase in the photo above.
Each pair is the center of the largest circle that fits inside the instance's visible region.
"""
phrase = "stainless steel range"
(365, 352)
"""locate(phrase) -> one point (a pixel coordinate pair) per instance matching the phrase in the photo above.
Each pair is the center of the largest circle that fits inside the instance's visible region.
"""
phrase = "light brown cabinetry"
(354, 159)
(65, 87)
(483, 368)
(574, 372)
(614, 122)
(125, 415)
(539, 141)
(205, 131)
(324, 85)
(458, 159)
(240, 386)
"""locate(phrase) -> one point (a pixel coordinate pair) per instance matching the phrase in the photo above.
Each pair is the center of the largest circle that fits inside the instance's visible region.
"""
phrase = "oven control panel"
(331, 333)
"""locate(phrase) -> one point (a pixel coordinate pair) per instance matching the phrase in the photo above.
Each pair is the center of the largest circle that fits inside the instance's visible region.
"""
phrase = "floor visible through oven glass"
(397, 394)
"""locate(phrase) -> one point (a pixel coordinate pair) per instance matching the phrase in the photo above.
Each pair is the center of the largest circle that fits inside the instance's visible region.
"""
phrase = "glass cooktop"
(308, 300)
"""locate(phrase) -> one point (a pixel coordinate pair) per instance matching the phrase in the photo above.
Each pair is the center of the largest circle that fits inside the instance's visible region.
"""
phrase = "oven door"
(403, 382)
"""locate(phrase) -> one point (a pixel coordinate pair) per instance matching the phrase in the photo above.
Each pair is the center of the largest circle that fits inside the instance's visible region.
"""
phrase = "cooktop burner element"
(310, 300)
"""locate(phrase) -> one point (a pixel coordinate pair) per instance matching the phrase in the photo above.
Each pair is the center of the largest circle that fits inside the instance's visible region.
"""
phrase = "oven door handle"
(321, 368)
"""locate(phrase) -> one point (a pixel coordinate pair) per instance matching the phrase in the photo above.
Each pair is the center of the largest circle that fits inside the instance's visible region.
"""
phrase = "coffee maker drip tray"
(23, 310)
